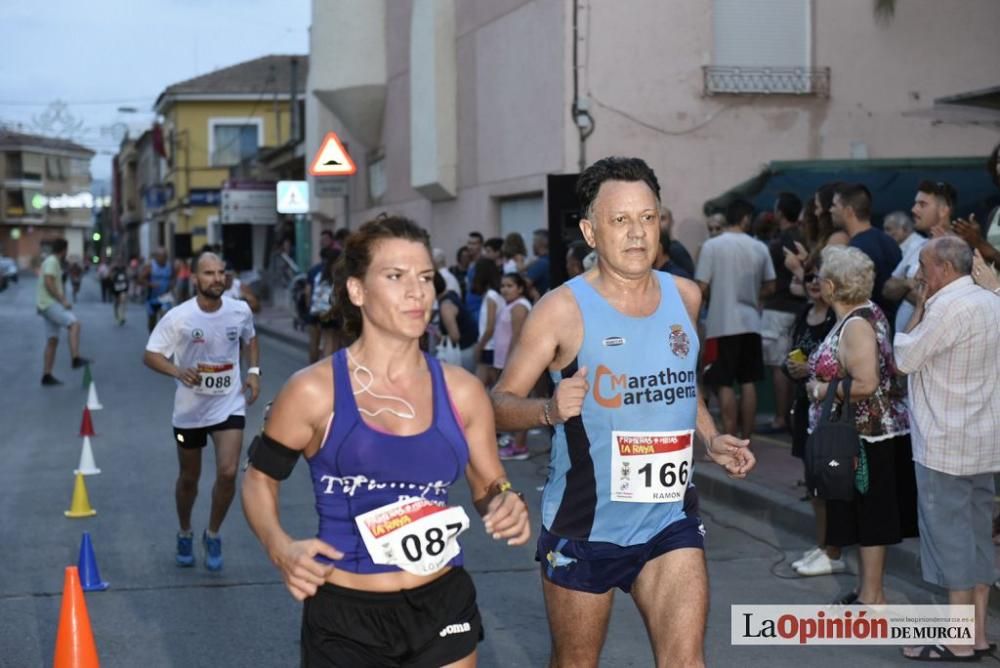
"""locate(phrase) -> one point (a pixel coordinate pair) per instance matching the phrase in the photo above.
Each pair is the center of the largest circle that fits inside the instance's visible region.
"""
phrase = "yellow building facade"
(213, 124)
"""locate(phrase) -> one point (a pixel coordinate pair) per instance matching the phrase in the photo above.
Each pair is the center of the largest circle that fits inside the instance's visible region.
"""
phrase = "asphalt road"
(155, 614)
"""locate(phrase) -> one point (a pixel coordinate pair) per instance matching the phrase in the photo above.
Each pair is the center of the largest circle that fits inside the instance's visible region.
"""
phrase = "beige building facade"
(44, 194)
(456, 111)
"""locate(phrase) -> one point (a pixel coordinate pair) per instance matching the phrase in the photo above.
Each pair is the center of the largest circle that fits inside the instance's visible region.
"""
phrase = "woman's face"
(510, 290)
(813, 291)
(397, 292)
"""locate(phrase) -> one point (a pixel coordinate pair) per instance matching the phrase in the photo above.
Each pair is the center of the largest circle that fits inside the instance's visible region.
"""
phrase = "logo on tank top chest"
(680, 344)
(613, 341)
(197, 335)
(232, 333)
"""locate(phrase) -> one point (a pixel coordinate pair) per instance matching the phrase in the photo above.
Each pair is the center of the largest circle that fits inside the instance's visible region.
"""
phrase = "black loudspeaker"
(564, 222)
(182, 246)
(237, 245)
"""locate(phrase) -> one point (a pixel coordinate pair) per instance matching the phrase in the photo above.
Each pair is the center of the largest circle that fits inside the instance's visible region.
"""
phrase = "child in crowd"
(505, 336)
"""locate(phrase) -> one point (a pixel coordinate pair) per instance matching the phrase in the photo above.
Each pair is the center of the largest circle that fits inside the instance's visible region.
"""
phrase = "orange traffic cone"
(80, 506)
(86, 424)
(75, 646)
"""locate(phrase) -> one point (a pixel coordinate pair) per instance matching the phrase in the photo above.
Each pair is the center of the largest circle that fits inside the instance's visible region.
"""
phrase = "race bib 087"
(650, 466)
(413, 534)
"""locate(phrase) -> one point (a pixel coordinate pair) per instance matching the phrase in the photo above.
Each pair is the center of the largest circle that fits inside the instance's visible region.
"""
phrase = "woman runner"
(383, 582)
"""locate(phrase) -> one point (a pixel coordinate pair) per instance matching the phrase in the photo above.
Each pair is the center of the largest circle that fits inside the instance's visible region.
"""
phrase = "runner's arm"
(252, 352)
(554, 315)
(55, 290)
(504, 513)
(294, 422)
(161, 364)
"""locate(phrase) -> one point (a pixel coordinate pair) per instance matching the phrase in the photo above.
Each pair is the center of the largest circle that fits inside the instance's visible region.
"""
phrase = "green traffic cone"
(87, 378)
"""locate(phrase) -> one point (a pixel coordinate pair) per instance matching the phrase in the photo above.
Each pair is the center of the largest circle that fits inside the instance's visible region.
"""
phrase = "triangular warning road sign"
(331, 159)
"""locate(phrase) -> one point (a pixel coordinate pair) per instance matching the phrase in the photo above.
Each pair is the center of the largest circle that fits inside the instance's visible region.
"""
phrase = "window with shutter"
(763, 46)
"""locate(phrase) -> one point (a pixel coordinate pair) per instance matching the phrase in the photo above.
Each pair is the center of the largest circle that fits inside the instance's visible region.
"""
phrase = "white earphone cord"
(365, 388)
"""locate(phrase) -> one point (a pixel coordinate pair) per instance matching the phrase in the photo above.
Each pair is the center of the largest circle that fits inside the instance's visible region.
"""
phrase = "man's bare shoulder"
(690, 293)
(556, 305)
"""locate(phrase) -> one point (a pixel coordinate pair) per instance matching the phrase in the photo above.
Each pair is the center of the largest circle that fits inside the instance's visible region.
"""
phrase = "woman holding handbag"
(458, 330)
(859, 347)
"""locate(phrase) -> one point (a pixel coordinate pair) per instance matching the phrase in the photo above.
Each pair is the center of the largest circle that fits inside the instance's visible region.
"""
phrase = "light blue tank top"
(642, 375)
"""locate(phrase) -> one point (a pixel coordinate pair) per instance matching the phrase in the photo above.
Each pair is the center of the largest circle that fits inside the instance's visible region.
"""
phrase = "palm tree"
(884, 11)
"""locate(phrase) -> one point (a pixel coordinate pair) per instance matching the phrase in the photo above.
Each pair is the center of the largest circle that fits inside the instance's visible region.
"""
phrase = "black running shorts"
(197, 437)
(431, 626)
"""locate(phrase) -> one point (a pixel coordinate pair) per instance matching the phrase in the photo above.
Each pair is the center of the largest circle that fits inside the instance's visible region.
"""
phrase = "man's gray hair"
(440, 259)
(898, 219)
(954, 251)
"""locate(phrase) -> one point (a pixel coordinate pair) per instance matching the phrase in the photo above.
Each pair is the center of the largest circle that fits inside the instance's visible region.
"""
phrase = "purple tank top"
(359, 468)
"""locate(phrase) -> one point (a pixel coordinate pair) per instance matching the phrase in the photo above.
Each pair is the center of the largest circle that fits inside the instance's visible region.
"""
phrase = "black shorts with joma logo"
(431, 626)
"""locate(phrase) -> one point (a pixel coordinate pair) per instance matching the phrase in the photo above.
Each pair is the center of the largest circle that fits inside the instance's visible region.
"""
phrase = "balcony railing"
(738, 80)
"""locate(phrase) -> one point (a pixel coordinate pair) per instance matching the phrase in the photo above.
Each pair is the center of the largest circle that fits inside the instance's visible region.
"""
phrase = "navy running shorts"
(430, 626)
(597, 567)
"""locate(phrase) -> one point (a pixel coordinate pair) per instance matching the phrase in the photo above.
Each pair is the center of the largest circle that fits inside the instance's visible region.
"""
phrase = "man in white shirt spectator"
(900, 227)
(441, 263)
(735, 273)
(954, 374)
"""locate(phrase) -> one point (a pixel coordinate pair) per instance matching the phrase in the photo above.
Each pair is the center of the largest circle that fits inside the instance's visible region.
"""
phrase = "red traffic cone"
(86, 425)
(75, 647)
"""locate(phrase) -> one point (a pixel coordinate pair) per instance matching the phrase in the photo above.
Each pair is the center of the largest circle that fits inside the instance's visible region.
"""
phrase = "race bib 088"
(650, 466)
(216, 378)
(413, 534)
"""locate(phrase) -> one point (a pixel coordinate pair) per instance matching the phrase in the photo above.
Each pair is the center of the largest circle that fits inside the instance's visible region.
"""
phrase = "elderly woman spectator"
(811, 326)
(883, 511)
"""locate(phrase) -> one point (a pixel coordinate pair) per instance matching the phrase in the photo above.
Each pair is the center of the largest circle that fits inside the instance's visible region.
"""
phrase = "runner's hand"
(190, 377)
(732, 454)
(507, 517)
(303, 575)
(567, 400)
(252, 384)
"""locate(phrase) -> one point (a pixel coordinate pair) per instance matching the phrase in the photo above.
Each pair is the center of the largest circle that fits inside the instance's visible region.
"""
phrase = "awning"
(892, 182)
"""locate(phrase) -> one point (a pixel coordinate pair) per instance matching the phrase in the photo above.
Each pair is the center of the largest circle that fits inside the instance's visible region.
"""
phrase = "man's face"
(490, 254)
(928, 212)
(897, 233)
(838, 212)
(624, 227)
(538, 245)
(325, 241)
(475, 246)
(934, 274)
(573, 266)
(210, 277)
(714, 224)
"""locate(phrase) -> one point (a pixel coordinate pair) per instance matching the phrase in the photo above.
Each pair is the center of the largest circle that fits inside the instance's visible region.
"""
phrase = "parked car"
(8, 272)
(8, 269)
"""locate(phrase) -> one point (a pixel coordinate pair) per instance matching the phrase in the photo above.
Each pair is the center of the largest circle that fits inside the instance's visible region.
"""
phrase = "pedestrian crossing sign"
(293, 197)
(332, 159)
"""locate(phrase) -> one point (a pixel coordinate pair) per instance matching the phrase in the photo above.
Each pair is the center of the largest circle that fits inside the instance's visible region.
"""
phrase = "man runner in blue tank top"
(619, 508)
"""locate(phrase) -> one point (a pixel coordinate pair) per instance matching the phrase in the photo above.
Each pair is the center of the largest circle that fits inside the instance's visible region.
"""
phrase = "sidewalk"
(771, 493)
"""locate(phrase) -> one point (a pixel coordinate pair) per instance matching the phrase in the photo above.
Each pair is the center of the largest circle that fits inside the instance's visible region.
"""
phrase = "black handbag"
(831, 449)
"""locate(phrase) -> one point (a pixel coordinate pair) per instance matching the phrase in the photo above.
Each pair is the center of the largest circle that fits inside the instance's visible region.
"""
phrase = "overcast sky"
(100, 55)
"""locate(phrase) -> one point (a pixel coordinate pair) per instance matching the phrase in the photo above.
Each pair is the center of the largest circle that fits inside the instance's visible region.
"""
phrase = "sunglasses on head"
(809, 278)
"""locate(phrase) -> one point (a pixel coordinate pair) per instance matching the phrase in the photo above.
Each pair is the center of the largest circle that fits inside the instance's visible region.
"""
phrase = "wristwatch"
(255, 370)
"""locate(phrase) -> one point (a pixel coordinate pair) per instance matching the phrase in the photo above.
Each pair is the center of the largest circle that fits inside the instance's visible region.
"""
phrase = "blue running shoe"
(213, 551)
(185, 550)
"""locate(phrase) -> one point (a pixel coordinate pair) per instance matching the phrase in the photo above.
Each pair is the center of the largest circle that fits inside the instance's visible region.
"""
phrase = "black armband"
(271, 457)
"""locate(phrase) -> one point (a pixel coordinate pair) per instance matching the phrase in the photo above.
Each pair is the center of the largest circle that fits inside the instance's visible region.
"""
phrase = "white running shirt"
(210, 342)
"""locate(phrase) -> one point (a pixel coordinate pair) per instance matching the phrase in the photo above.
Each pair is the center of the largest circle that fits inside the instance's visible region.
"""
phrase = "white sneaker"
(807, 556)
(822, 565)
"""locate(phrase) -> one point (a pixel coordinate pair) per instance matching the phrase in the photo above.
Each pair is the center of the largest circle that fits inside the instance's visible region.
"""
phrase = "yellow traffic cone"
(80, 507)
